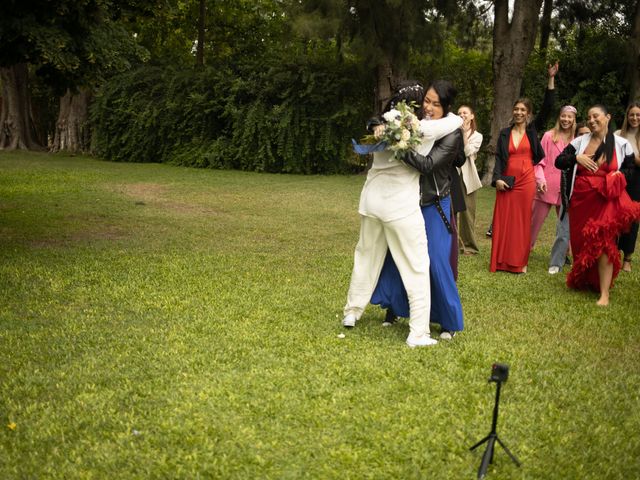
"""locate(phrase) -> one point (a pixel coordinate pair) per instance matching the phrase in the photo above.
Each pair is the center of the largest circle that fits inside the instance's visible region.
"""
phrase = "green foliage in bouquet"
(401, 130)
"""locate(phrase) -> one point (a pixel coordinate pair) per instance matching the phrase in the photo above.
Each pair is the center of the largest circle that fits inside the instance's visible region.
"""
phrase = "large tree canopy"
(68, 44)
(71, 49)
(381, 32)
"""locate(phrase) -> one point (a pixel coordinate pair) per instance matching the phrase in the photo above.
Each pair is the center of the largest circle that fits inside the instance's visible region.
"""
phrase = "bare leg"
(605, 272)
(626, 264)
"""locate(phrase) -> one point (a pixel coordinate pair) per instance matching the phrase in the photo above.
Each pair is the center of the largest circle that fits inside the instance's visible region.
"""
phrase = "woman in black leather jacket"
(435, 188)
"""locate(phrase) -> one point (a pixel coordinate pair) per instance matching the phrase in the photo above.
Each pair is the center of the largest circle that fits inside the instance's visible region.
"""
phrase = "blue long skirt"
(446, 308)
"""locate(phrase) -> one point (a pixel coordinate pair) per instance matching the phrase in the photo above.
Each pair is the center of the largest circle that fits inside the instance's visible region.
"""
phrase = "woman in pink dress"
(599, 206)
(547, 175)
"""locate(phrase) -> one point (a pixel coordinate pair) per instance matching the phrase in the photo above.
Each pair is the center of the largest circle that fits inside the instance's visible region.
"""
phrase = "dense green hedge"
(295, 117)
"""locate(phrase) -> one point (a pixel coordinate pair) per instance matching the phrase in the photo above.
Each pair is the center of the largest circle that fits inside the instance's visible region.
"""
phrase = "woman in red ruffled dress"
(600, 209)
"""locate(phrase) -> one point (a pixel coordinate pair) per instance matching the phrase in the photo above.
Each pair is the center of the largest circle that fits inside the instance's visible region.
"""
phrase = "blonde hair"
(625, 123)
(556, 128)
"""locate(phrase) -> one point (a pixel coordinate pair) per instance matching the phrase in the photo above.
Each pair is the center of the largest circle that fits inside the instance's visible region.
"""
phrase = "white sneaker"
(349, 320)
(553, 270)
(423, 341)
(447, 335)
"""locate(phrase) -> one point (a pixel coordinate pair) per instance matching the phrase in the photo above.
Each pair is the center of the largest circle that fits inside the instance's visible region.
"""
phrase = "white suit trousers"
(407, 241)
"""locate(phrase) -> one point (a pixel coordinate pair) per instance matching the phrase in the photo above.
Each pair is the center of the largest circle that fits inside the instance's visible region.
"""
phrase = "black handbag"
(510, 180)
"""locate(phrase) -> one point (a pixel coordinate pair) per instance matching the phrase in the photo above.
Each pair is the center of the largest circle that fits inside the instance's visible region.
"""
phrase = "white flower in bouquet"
(402, 129)
(400, 146)
(401, 132)
(391, 115)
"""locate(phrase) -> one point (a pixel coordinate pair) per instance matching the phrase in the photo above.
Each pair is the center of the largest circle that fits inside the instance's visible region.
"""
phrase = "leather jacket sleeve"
(566, 159)
(545, 111)
(501, 160)
(440, 156)
(373, 122)
(460, 158)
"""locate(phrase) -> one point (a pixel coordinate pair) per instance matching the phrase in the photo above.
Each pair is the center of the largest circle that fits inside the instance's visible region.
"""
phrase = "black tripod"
(492, 438)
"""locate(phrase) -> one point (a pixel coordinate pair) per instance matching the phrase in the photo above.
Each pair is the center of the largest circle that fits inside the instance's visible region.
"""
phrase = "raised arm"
(549, 98)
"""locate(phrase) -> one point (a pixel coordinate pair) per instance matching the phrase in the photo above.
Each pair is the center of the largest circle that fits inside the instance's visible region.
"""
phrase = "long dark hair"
(446, 93)
(607, 146)
(408, 91)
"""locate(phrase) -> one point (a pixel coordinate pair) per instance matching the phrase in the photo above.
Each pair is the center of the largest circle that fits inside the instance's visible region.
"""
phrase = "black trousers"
(627, 241)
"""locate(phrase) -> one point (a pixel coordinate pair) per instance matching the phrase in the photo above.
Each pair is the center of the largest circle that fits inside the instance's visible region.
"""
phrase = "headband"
(410, 88)
(569, 108)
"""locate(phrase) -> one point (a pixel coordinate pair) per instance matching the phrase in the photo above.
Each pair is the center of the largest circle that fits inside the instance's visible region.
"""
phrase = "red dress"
(600, 209)
(511, 239)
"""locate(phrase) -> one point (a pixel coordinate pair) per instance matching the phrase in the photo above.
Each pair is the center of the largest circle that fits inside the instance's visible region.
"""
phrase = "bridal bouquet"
(402, 129)
(401, 132)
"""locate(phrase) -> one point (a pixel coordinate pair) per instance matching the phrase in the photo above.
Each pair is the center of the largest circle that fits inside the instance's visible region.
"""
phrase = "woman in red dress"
(517, 151)
(600, 209)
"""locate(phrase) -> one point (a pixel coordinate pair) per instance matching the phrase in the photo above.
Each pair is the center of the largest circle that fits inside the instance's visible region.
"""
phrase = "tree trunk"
(388, 76)
(384, 84)
(17, 127)
(72, 129)
(545, 26)
(512, 45)
(201, 24)
(634, 60)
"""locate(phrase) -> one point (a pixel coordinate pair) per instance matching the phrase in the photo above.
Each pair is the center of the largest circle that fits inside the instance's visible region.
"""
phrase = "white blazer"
(468, 171)
(392, 189)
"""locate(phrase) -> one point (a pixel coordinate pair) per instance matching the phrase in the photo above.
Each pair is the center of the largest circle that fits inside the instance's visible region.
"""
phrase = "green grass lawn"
(163, 322)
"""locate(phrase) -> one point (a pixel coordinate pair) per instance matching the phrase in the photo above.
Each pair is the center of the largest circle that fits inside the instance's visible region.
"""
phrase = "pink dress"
(546, 170)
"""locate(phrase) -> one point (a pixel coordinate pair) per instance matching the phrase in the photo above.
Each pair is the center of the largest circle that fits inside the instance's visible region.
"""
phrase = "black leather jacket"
(436, 166)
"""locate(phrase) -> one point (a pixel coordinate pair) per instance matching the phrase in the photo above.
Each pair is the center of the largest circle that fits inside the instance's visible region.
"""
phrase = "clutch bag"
(510, 180)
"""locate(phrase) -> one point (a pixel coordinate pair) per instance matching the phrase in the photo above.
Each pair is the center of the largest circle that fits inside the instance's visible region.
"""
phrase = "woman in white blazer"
(390, 218)
(470, 182)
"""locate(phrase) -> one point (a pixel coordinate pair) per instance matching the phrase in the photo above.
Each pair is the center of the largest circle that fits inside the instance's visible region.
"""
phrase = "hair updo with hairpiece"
(407, 91)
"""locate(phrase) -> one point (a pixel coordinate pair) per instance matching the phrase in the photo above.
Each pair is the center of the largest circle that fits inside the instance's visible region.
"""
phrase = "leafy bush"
(296, 116)
(582, 84)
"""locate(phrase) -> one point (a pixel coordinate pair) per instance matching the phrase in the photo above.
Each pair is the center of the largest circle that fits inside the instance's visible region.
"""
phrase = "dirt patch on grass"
(144, 191)
(87, 230)
(159, 196)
